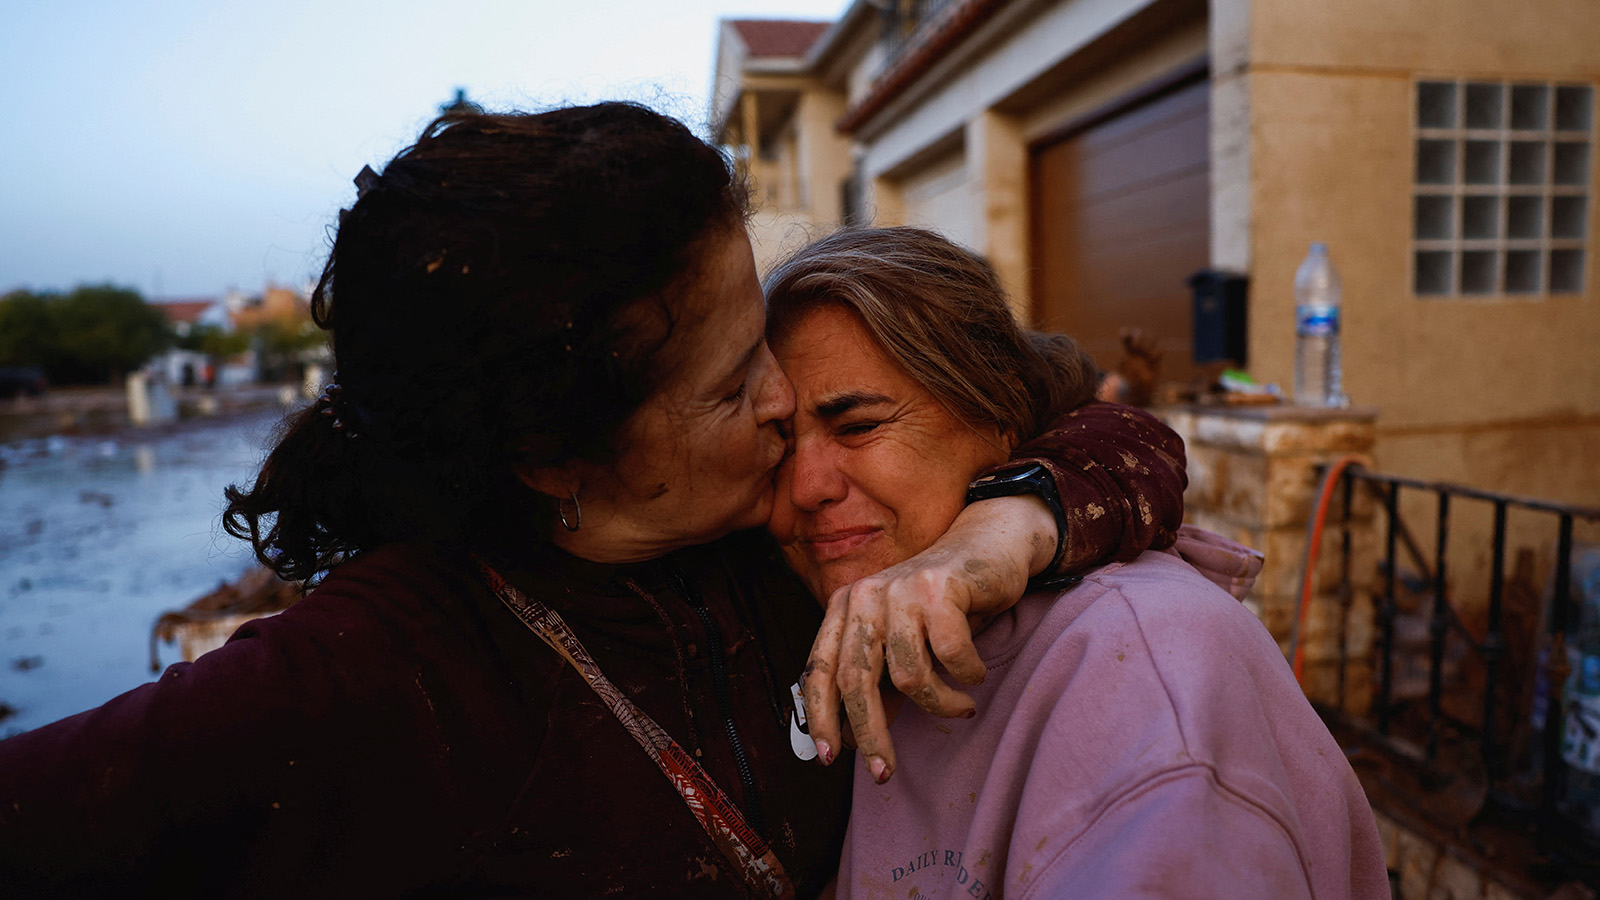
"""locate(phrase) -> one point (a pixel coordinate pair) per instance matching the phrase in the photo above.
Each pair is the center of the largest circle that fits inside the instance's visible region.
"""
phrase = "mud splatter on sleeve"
(1120, 472)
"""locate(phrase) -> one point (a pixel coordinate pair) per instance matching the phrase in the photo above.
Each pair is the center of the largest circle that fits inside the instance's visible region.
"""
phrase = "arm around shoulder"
(1120, 475)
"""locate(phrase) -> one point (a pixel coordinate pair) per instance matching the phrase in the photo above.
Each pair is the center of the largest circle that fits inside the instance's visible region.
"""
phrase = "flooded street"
(98, 537)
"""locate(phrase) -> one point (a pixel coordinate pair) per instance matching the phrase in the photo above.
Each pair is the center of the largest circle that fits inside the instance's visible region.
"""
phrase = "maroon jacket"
(399, 733)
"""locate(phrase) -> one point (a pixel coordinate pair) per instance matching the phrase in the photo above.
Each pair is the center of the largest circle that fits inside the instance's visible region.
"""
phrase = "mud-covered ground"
(100, 535)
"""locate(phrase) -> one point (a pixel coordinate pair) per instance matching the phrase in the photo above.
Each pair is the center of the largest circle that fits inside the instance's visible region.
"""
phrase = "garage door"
(1121, 219)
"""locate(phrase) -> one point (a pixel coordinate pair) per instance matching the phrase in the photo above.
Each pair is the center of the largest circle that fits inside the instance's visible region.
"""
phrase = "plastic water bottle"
(1317, 295)
(1580, 740)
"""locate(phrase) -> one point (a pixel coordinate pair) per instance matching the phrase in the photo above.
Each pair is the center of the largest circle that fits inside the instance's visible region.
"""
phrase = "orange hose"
(1308, 577)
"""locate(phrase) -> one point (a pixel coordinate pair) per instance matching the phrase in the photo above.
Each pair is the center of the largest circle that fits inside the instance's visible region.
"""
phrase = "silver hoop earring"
(577, 513)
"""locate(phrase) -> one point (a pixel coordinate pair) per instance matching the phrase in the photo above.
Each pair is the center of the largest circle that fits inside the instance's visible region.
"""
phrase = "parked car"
(19, 381)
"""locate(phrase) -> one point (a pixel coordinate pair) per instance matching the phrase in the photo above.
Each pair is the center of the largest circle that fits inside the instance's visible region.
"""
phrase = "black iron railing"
(1528, 778)
(903, 20)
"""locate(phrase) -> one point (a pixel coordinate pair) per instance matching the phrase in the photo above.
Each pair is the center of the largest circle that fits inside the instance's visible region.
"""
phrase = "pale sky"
(186, 147)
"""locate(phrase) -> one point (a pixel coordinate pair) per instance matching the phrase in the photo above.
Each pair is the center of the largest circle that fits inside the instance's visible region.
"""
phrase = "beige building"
(778, 118)
(1099, 152)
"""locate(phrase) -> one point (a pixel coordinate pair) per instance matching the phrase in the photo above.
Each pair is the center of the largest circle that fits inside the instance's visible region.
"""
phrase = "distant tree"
(283, 345)
(27, 331)
(103, 332)
(213, 341)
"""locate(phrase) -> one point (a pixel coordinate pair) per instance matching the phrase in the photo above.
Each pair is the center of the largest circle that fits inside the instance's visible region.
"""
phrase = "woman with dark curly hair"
(549, 654)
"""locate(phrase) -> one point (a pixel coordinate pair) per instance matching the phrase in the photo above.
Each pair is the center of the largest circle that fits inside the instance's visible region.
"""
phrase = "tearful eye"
(858, 429)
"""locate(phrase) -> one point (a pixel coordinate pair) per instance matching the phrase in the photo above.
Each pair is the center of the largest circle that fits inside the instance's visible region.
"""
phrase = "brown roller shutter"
(1121, 219)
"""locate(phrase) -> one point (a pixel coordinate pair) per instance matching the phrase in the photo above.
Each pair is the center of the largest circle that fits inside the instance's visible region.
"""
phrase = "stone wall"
(1254, 476)
(1426, 863)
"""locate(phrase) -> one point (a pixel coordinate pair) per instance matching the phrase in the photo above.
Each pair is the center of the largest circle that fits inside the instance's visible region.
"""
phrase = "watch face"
(1017, 477)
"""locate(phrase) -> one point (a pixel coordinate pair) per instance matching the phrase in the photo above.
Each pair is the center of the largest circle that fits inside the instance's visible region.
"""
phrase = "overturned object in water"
(211, 619)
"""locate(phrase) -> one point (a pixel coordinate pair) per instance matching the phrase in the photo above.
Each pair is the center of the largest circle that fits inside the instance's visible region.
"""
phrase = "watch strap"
(1030, 478)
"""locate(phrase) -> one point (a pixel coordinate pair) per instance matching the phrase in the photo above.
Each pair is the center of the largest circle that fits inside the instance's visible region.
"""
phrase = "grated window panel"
(1501, 188)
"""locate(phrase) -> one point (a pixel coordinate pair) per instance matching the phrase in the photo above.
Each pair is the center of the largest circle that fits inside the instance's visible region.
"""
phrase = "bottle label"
(1580, 744)
(1317, 321)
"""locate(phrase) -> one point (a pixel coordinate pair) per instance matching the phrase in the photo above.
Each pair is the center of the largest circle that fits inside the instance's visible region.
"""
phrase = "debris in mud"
(208, 621)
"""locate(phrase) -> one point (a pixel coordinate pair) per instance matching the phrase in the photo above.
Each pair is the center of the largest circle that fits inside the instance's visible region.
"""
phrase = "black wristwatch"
(1032, 478)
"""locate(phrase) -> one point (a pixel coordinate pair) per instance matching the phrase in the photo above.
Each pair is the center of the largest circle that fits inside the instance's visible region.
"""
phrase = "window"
(852, 199)
(1501, 202)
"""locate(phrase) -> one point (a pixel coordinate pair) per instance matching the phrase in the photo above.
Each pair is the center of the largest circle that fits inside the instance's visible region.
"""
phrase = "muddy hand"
(844, 670)
(821, 689)
(914, 613)
(904, 618)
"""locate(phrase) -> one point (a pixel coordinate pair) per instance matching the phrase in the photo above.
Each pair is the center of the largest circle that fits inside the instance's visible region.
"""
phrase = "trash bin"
(1220, 300)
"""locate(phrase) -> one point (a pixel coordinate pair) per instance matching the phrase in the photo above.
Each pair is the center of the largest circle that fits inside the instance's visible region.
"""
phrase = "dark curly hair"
(497, 296)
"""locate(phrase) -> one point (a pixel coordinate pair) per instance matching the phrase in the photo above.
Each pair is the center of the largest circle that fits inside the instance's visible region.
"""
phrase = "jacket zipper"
(719, 677)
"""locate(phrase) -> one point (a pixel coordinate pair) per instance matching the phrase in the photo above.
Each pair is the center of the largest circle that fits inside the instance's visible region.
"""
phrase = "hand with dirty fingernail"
(904, 618)
(880, 770)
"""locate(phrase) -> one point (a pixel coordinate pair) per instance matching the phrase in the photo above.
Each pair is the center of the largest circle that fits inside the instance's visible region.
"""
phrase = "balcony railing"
(1478, 743)
(903, 20)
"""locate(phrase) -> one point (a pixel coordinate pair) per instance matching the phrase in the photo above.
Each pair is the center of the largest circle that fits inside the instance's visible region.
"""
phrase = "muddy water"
(98, 537)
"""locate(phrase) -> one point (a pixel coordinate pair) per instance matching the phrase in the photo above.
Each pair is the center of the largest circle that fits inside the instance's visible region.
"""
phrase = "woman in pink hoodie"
(1138, 732)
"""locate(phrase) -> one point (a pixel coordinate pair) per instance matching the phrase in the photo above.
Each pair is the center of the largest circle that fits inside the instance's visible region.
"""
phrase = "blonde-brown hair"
(938, 310)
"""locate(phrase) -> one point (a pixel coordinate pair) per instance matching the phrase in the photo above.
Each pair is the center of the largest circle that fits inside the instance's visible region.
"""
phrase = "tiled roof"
(779, 37)
(958, 22)
(184, 310)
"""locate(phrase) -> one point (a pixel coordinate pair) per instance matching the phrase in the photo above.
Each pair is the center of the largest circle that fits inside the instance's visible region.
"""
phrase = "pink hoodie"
(1139, 736)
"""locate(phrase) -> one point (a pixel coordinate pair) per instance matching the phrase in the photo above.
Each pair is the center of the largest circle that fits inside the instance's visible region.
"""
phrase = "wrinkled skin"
(698, 457)
(877, 475)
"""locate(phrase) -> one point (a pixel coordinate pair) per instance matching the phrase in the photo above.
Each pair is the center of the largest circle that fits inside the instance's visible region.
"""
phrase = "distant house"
(186, 367)
(278, 319)
(288, 344)
(188, 314)
(275, 304)
(776, 114)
